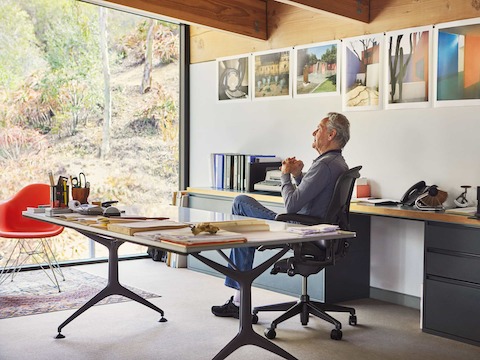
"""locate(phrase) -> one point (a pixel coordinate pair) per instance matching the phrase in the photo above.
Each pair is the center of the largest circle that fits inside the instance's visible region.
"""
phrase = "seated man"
(310, 196)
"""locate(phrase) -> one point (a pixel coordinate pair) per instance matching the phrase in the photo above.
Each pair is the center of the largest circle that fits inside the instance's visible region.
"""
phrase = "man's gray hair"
(340, 123)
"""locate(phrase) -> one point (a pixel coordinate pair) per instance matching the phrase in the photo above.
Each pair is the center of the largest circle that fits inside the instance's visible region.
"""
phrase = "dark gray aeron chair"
(312, 257)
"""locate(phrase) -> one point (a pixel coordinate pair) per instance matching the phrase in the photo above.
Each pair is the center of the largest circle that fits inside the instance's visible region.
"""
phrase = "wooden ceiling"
(244, 17)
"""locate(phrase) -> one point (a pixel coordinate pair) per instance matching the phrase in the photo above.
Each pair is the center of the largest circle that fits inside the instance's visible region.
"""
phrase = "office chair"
(31, 234)
(312, 257)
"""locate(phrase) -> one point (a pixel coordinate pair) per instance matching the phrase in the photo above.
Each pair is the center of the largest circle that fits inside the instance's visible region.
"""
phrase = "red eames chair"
(32, 235)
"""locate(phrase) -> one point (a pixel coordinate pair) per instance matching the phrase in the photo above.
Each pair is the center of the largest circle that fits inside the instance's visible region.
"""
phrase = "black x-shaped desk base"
(113, 285)
(246, 335)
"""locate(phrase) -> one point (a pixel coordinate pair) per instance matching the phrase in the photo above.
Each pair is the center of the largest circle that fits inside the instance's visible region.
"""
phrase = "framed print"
(272, 78)
(362, 72)
(316, 68)
(456, 66)
(408, 68)
(233, 78)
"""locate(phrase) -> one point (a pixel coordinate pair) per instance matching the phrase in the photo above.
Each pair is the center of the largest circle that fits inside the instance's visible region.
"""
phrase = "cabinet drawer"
(451, 237)
(453, 265)
(452, 309)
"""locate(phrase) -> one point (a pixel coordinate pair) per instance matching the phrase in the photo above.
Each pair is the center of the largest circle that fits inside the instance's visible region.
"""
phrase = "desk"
(246, 335)
(451, 260)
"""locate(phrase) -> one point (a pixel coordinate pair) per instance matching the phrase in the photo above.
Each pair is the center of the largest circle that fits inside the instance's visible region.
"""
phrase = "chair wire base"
(41, 252)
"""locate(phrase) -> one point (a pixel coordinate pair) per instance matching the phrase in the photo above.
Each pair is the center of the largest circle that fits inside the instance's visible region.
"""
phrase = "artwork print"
(362, 72)
(272, 74)
(408, 68)
(457, 63)
(233, 78)
(316, 69)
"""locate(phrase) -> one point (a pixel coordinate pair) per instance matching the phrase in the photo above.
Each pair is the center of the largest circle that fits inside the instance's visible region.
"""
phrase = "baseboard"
(395, 298)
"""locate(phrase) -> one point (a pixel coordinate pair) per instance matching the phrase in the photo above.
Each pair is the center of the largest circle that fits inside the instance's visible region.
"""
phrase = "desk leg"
(113, 285)
(246, 335)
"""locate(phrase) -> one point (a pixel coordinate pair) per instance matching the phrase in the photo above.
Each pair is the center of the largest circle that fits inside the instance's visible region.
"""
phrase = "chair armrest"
(299, 218)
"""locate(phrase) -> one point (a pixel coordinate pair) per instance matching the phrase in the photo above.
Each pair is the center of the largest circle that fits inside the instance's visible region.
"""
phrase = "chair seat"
(30, 234)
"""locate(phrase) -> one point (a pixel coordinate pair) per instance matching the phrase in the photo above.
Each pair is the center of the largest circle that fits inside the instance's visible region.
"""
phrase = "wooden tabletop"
(399, 212)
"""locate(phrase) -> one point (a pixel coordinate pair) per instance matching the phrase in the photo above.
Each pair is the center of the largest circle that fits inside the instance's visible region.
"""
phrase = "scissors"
(77, 181)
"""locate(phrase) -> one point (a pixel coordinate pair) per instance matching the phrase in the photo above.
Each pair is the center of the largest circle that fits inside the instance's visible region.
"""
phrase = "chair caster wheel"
(270, 333)
(254, 318)
(352, 320)
(336, 334)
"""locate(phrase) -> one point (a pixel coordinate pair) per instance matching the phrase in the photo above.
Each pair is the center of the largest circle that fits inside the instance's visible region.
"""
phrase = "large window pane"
(92, 90)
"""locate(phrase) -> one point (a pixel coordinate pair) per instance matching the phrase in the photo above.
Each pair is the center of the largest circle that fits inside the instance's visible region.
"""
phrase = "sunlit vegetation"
(54, 91)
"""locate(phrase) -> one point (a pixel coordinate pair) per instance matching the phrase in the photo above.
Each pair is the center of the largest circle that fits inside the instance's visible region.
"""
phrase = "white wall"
(395, 147)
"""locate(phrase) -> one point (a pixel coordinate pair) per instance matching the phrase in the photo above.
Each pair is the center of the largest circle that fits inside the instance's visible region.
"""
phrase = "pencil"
(50, 176)
(65, 191)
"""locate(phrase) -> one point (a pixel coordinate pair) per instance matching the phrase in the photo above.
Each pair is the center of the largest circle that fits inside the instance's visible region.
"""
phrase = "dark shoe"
(229, 309)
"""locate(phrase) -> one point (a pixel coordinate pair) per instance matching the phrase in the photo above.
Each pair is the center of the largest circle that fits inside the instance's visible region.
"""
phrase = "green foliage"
(330, 56)
(311, 59)
(51, 111)
(17, 38)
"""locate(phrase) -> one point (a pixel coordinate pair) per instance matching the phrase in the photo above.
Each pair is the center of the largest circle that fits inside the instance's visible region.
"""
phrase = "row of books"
(234, 170)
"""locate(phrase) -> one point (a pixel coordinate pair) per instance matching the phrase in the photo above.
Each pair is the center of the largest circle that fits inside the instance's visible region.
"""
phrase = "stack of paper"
(244, 225)
(184, 237)
(314, 229)
(130, 228)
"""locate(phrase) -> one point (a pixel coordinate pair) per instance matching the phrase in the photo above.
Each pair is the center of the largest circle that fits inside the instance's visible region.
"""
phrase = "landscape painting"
(408, 68)
(361, 72)
(457, 70)
(316, 69)
(233, 78)
(272, 74)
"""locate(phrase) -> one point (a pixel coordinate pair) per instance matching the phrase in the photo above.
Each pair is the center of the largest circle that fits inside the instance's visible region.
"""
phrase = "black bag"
(156, 254)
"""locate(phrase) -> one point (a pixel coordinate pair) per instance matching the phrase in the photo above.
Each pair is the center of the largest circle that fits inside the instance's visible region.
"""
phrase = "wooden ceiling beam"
(244, 17)
(353, 9)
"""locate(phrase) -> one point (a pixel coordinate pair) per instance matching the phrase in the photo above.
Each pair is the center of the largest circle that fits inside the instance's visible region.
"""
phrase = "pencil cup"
(80, 194)
(58, 196)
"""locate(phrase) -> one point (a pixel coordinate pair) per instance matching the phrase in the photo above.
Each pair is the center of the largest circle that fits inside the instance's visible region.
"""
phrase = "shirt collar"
(336, 151)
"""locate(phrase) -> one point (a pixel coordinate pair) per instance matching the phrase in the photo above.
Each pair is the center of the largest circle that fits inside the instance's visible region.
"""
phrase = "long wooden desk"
(276, 236)
(451, 260)
(395, 211)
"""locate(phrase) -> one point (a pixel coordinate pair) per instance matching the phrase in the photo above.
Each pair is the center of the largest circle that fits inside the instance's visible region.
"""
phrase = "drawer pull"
(453, 281)
(453, 253)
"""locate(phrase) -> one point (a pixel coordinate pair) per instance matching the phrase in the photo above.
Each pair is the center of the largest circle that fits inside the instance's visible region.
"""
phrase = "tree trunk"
(107, 112)
(147, 71)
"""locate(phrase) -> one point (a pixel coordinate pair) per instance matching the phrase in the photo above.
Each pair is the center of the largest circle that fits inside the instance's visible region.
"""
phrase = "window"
(89, 89)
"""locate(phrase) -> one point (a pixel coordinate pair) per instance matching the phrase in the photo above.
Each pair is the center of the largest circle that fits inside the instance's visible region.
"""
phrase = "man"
(310, 196)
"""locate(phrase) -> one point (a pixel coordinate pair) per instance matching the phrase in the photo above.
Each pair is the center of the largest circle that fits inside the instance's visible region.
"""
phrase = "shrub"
(16, 143)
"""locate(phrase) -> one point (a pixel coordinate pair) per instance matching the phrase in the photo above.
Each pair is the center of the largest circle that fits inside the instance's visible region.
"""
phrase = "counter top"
(399, 212)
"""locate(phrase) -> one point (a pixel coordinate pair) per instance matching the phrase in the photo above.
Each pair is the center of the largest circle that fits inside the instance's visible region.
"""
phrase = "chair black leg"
(296, 309)
(304, 306)
(312, 309)
(274, 307)
(333, 307)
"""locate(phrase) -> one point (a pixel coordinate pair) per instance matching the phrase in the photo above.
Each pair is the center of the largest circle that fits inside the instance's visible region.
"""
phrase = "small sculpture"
(461, 201)
(204, 227)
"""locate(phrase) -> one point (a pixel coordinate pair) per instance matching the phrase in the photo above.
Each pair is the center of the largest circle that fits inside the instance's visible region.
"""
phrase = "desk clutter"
(163, 229)
(60, 191)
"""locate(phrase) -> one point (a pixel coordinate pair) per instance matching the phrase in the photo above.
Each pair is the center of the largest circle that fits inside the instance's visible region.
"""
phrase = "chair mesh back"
(339, 208)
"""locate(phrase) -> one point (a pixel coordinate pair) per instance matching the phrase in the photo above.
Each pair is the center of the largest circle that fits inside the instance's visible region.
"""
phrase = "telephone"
(413, 193)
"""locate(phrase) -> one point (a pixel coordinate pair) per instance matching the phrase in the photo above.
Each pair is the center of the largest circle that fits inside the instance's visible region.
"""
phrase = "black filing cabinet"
(451, 301)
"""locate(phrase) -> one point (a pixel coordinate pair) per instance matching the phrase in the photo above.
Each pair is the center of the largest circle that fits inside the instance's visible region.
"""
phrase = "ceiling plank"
(353, 9)
(244, 17)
